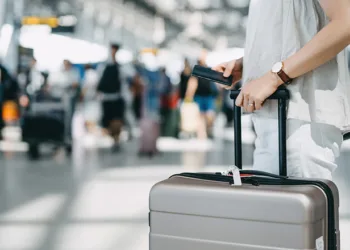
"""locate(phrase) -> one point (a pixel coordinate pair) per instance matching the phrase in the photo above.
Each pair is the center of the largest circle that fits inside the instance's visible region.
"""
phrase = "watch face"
(277, 67)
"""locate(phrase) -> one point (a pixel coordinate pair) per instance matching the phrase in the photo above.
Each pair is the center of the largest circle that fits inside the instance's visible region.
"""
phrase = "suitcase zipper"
(256, 181)
(205, 176)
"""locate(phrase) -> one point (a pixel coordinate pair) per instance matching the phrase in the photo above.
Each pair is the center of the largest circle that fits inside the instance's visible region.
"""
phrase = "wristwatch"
(278, 69)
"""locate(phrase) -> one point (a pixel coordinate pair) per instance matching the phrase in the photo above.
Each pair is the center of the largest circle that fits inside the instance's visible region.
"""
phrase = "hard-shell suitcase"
(210, 211)
(149, 136)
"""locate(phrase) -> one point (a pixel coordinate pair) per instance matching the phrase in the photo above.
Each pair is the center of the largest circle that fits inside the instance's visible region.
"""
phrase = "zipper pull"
(229, 172)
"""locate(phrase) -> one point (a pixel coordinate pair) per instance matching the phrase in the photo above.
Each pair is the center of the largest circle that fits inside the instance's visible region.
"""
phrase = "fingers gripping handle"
(282, 95)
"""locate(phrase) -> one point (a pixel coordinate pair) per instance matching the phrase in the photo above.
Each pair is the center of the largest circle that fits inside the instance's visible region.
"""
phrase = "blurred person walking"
(64, 86)
(203, 92)
(91, 108)
(113, 104)
(34, 83)
(66, 79)
(184, 78)
(137, 90)
(168, 110)
(34, 78)
(150, 121)
(299, 44)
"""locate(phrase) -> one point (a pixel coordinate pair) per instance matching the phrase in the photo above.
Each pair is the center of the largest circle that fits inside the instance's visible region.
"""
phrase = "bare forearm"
(323, 47)
(192, 86)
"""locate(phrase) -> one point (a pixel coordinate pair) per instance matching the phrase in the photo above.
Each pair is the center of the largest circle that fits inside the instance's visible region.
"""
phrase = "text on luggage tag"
(320, 243)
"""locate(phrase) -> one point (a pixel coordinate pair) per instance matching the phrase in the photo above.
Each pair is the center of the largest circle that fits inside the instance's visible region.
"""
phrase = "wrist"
(240, 61)
(188, 99)
(275, 79)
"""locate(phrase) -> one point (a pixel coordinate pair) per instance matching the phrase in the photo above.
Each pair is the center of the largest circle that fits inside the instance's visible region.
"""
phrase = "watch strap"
(284, 77)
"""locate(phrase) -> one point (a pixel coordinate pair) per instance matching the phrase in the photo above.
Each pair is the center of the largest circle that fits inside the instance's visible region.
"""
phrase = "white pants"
(312, 148)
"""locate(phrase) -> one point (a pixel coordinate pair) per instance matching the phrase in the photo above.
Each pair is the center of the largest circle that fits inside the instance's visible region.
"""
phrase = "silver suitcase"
(205, 211)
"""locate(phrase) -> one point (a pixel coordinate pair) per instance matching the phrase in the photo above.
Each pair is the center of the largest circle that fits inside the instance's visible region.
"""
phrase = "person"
(34, 83)
(137, 89)
(168, 112)
(67, 78)
(113, 108)
(299, 44)
(184, 77)
(34, 77)
(202, 92)
(89, 94)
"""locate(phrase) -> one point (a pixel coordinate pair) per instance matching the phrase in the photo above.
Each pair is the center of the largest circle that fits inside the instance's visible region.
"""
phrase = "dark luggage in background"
(43, 127)
(48, 120)
(170, 116)
(208, 211)
(149, 136)
(169, 125)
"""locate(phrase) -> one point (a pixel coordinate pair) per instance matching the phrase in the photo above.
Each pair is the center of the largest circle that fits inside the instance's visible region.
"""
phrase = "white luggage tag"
(237, 181)
(236, 175)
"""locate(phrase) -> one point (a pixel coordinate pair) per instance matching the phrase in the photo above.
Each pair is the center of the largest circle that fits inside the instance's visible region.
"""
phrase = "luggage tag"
(236, 175)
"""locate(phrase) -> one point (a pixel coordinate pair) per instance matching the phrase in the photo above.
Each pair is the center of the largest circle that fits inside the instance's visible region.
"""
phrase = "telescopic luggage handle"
(282, 95)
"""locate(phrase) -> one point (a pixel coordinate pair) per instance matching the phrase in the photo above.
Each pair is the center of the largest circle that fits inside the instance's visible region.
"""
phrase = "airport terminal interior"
(75, 180)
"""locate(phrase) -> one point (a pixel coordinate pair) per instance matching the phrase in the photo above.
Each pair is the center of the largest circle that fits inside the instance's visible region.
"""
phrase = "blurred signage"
(149, 51)
(53, 22)
(59, 24)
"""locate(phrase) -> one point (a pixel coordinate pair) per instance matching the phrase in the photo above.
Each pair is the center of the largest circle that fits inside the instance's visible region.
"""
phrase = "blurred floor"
(97, 200)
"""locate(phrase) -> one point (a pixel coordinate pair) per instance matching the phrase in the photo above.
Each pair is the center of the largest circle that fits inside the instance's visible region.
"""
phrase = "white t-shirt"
(61, 81)
(277, 29)
(90, 84)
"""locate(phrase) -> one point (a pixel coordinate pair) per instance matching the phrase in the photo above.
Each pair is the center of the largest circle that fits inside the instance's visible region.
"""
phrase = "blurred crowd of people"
(112, 98)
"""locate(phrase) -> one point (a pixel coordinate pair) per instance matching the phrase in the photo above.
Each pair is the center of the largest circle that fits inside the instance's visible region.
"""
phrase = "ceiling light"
(67, 20)
(168, 5)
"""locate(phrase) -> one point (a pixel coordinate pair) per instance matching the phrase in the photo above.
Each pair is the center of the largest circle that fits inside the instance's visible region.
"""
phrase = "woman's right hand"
(234, 68)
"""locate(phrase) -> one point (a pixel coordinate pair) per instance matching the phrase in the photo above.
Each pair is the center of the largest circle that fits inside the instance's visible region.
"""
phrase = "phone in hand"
(211, 75)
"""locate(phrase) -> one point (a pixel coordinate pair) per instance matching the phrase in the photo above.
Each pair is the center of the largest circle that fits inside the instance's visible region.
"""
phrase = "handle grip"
(282, 95)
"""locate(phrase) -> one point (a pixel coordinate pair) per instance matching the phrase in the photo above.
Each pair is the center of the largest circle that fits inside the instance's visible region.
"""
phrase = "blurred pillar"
(14, 13)
(2, 11)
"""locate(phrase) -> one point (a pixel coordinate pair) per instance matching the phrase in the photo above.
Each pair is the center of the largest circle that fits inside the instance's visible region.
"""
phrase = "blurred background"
(96, 107)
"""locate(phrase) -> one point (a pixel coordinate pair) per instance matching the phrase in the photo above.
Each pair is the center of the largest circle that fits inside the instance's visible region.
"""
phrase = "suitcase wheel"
(33, 152)
(69, 149)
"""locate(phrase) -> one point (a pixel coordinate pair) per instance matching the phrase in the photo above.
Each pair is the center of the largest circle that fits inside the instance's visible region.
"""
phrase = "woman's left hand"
(253, 94)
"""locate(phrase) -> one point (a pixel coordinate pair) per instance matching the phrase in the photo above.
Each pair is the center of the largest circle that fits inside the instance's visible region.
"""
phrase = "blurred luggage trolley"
(48, 121)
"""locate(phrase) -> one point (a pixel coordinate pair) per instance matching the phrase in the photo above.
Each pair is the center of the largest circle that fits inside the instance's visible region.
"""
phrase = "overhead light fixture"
(67, 21)
(168, 5)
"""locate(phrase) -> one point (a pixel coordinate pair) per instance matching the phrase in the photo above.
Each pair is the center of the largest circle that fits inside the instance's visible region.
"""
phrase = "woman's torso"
(276, 30)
